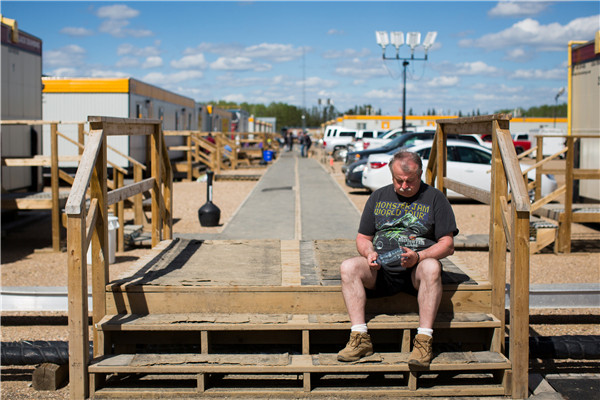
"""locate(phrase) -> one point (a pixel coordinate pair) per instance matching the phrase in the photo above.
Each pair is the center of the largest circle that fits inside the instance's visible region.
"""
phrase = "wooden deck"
(239, 317)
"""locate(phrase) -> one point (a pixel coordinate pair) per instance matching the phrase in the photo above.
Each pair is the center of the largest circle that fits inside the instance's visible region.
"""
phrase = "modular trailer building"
(21, 100)
(74, 99)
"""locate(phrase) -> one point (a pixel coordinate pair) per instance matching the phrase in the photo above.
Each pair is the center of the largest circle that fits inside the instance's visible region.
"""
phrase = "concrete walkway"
(296, 199)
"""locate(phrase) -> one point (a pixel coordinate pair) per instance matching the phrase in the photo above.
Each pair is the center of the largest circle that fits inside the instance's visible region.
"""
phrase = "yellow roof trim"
(85, 85)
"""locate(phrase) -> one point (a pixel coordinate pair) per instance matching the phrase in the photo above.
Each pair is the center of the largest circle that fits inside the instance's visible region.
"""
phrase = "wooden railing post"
(138, 199)
(564, 226)
(539, 156)
(120, 214)
(79, 342)
(188, 141)
(54, 178)
(156, 169)
(81, 136)
(519, 304)
(497, 240)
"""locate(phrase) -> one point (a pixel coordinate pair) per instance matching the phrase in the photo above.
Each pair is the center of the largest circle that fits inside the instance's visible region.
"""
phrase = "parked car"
(397, 142)
(405, 140)
(466, 162)
(336, 138)
(520, 141)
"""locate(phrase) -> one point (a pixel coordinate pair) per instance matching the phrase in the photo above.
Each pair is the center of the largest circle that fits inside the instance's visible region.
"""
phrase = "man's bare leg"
(356, 275)
(427, 279)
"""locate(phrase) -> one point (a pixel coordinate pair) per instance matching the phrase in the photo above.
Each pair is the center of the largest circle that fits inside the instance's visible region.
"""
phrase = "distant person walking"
(305, 142)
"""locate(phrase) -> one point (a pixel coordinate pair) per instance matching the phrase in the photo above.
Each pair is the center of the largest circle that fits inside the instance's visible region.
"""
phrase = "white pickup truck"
(337, 139)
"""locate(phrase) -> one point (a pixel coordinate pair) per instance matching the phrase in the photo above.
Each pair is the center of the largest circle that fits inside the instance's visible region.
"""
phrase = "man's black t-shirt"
(416, 222)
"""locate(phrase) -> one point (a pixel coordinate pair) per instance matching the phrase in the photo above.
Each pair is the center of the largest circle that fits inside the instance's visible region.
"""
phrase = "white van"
(551, 145)
(336, 138)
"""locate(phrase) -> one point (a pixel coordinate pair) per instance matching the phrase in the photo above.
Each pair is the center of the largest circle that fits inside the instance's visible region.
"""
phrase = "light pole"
(412, 40)
(560, 92)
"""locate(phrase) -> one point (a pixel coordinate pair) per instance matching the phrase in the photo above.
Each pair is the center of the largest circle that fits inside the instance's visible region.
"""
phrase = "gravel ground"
(28, 261)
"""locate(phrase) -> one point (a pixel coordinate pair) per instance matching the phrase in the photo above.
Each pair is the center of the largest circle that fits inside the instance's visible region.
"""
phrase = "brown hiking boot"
(421, 354)
(358, 346)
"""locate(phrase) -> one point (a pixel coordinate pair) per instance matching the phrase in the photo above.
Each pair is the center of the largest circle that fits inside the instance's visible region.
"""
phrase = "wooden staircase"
(282, 340)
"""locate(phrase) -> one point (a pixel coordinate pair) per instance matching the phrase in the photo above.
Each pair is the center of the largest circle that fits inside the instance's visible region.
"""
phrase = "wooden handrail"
(76, 199)
(93, 228)
(509, 230)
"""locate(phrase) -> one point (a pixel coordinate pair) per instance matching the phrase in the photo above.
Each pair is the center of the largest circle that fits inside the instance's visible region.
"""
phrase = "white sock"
(359, 328)
(425, 331)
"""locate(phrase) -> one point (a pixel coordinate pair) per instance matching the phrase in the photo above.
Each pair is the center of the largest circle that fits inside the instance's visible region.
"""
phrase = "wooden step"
(484, 372)
(265, 322)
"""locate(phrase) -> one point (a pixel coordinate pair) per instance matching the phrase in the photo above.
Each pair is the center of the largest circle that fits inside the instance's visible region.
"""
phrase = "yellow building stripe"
(86, 85)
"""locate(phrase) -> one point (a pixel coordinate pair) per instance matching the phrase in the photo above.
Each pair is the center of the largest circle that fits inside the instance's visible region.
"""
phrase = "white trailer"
(74, 99)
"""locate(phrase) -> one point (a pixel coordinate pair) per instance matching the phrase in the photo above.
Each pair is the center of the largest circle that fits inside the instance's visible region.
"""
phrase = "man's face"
(406, 184)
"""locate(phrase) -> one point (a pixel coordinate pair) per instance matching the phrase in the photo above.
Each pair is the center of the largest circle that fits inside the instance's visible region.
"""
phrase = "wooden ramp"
(266, 318)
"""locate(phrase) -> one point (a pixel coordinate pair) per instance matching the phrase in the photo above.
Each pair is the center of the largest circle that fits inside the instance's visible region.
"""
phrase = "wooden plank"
(283, 322)
(171, 300)
(285, 363)
(77, 309)
(84, 173)
(497, 240)
(472, 192)
(125, 192)
(290, 263)
(100, 251)
(519, 304)
(36, 161)
(54, 178)
(512, 170)
(586, 173)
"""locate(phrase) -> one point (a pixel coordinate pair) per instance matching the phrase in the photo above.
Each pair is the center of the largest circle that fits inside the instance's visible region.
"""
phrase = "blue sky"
(488, 55)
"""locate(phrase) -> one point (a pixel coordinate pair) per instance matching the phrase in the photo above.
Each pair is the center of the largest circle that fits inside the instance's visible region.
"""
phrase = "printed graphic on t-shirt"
(401, 225)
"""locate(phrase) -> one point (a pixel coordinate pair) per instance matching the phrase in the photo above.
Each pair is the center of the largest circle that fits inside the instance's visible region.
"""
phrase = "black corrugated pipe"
(32, 352)
(576, 347)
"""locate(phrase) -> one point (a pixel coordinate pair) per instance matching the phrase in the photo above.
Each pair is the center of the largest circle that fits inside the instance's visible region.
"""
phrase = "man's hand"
(372, 260)
(410, 258)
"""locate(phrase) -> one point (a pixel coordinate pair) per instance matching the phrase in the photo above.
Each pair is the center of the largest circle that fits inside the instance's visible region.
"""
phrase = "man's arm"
(364, 245)
(443, 248)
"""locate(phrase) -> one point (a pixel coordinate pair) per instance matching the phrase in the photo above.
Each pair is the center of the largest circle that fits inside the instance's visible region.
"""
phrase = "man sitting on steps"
(405, 229)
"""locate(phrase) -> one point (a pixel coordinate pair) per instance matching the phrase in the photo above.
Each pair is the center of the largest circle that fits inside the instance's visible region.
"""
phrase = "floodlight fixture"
(413, 39)
(560, 93)
(429, 39)
(382, 39)
(397, 39)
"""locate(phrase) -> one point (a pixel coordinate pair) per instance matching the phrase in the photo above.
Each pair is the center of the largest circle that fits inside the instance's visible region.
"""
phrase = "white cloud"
(476, 68)
(529, 32)
(129, 49)
(128, 62)
(66, 72)
(517, 8)
(443, 81)
(116, 20)
(273, 51)
(238, 64)
(70, 55)
(334, 31)
(347, 53)
(518, 54)
(388, 94)
(540, 74)
(237, 98)
(159, 78)
(152, 62)
(117, 11)
(467, 68)
(98, 73)
(316, 81)
(76, 31)
(190, 61)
